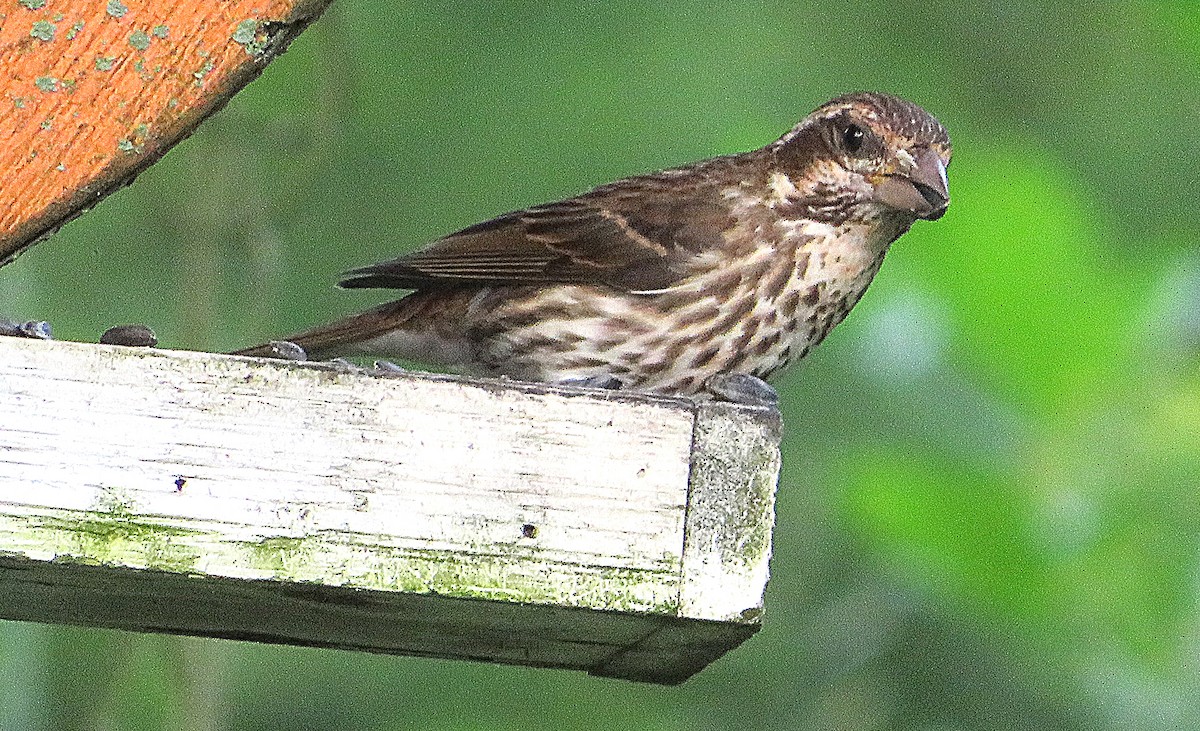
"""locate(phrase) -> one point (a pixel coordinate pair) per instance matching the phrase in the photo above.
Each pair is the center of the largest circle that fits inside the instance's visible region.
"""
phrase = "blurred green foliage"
(989, 516)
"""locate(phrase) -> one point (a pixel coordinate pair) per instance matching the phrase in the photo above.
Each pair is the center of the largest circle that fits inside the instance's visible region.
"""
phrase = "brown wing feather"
(633, 235)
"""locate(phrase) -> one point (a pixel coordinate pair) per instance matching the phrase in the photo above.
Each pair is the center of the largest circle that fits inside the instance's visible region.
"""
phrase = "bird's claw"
(604, 381)
(743, 389)
(285, 350)
(387, 368)
(343, 365)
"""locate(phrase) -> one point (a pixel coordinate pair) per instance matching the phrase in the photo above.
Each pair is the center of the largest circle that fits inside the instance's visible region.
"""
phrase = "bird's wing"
(634, 235)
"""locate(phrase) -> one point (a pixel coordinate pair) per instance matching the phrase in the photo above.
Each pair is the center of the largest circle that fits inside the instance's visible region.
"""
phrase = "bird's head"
(868, 155)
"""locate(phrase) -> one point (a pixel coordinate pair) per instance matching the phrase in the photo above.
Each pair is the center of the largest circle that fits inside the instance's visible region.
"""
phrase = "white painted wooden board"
(622, 534)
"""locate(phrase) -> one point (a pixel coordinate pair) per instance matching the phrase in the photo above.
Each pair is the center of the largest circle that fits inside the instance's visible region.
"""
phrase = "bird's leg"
(606, 382)
(744, 389)
(36, 329)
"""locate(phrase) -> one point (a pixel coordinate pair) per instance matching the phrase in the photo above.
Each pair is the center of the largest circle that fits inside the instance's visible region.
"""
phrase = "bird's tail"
(353, 335)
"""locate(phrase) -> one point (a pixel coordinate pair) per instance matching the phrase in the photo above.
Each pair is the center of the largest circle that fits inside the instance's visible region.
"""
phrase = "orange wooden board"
(94, 91)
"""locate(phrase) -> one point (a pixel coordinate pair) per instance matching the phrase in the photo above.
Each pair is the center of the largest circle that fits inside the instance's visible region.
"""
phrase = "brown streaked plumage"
(734, 265)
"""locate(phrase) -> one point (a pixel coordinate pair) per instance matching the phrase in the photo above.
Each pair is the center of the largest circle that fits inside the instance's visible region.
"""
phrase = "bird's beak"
(922, 191)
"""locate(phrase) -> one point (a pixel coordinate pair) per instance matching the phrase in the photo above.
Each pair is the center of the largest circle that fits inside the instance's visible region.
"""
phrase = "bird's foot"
(36, 329)
(285, 350)
(605, 381)
(387, 368)
(137, 336)
(343, 365)
(743, 389)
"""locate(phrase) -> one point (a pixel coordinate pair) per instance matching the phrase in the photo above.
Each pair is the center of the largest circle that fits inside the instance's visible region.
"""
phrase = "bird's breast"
(750, 308)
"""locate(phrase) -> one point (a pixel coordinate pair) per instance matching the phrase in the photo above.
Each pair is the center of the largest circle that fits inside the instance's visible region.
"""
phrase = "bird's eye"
(852, 138)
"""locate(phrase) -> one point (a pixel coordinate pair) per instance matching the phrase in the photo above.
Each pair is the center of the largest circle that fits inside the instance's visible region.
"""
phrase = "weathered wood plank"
(623, 534)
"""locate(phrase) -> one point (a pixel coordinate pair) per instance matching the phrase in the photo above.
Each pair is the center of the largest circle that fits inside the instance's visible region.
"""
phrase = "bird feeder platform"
(218, 496)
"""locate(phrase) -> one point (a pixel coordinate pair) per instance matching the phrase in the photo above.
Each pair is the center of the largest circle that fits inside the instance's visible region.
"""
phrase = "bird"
(704, 280)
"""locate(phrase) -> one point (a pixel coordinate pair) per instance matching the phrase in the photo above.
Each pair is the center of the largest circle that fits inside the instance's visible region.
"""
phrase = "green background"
(988, 516)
